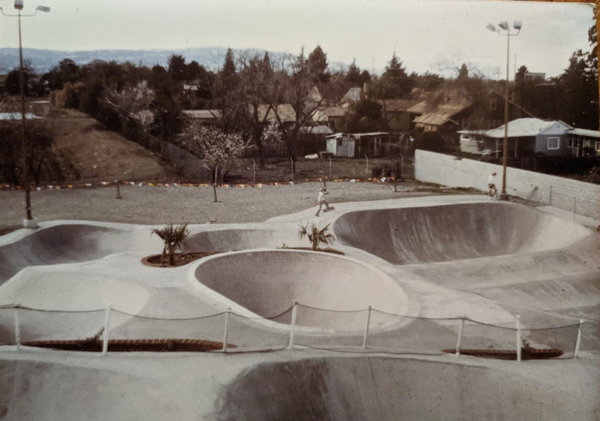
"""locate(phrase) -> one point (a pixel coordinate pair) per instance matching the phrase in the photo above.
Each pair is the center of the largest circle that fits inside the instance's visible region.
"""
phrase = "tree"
(177, 67)
(13, 80)
(174, 239)
(394, 82)
(463, 73)
(317, 65)
(316, 236)
(39, 136)
(219, 150)
(65, 72)
(364, 116)
(579, 83)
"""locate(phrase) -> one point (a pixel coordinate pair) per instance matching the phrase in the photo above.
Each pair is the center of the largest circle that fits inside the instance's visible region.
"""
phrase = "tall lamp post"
(29, 222)
(504, 30)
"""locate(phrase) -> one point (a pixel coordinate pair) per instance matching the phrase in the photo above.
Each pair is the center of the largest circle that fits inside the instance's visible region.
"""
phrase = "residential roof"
(17, 116)
(514, 104)
(398, 105)
(320, 130)
(521, 127)
(334, 111)
(442, 113)
(203, 114)
(353, 94)
(285, 112)
(585, 132)
(359, 135)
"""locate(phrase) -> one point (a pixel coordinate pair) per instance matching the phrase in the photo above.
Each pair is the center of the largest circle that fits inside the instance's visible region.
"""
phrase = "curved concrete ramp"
(241, 239)
(68, 243)
(412, 390)
(454, 232)
(268, 282)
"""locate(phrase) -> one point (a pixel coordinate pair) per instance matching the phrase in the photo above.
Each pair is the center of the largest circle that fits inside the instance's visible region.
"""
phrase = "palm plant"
(316, 236)
(174, 238)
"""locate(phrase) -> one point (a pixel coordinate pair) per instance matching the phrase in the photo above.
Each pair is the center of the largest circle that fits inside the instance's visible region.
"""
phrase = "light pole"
(504, 30)
(29, 222)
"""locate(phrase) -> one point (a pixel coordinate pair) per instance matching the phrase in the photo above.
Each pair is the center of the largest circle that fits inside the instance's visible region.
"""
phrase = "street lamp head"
(491, 27)
(19, 4)
(517, 25)
(503, 25)
(43, 9)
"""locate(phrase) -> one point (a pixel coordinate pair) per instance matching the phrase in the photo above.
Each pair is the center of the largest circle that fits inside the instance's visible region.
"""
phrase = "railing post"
(17, 328)
(106, 328)
(460, 330)
(293, 327)
(225, 330)
(367, 328)
(518, 337)
(578, 343)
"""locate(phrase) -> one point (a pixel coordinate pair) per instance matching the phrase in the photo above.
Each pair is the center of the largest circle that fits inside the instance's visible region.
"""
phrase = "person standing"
(492, 191)
(321, 200)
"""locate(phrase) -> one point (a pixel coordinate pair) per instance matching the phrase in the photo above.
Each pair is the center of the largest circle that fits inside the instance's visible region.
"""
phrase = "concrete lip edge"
(257, 319)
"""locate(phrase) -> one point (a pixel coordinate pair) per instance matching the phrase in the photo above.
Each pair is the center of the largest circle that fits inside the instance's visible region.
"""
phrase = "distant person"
(321, 200)
(492, 191)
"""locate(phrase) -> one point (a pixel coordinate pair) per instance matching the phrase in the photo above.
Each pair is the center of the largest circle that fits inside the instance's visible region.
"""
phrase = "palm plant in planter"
(174, 239)
(316, 236)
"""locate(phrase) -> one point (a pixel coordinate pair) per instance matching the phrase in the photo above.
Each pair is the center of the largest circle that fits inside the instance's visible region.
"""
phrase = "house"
(532, 137)
(353, 95)
(397, 115)
(285, 114)
(207, 117)
(330, 116)
(357, 145)
(445, 118)
(492, 114)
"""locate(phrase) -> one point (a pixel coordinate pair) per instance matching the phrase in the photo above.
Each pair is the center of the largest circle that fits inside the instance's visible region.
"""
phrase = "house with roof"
(331, 117)
(532, 137)
(353, 95)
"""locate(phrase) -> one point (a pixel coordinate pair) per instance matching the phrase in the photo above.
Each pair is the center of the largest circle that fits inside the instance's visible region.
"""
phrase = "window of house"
(493, 104)
(597, 145)
(339, 143)
(570, 142)
(553, 143)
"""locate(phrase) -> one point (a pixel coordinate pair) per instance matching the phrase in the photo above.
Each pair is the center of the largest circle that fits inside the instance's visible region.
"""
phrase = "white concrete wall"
(560, 192)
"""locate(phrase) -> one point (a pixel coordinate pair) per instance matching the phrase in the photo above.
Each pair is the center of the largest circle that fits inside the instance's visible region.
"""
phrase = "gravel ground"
(161, 205)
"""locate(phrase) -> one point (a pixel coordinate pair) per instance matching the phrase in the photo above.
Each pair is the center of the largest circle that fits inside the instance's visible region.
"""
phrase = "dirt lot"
(160, 205)
(86, 151)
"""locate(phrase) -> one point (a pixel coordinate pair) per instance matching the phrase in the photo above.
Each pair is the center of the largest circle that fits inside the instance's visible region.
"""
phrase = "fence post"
(574, 207)
(518, 337)
(578, 343)
(292, 167)
(367, 328)
(253, 171)
(225, 330)
(292, 327)
(550, 196)
(460, 330)
(106, 328)
(17, 328)
(330, 169)
(367, 170)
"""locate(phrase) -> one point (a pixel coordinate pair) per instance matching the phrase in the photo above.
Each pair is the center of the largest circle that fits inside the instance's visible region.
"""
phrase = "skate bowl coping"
(265, 283)
(444, 233)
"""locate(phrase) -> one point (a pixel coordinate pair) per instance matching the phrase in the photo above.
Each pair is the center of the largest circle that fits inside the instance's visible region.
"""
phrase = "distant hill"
(44, 60)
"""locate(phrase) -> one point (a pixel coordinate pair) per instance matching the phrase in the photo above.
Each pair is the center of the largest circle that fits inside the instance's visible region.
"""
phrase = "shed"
(341, 145)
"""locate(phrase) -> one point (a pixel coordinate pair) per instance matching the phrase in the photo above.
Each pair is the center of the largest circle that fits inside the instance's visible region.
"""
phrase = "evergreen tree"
(463, 73)
(177, 67)
(394, 83)
(317, 65)
(353, 74)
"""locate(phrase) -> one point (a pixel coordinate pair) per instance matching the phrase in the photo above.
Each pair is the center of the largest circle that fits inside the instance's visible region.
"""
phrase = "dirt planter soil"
(181, 259)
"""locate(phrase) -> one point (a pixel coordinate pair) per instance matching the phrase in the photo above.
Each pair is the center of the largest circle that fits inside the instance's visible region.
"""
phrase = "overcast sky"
(422, 32)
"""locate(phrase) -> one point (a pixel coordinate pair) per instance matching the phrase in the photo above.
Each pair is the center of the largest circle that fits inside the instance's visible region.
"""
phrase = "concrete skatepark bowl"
(318, 280)
(429, 258)
(454, 232)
